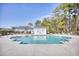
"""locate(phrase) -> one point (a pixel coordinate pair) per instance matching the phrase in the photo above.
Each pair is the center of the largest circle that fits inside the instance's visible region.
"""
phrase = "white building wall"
(39, 31)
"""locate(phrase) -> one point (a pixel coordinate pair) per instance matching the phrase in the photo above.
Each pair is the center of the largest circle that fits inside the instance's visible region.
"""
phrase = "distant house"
(19, 29)
(39, 31)
(23, 29)
(30, 30)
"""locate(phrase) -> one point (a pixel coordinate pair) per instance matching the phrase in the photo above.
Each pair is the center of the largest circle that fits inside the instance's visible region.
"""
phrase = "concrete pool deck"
(11, 48)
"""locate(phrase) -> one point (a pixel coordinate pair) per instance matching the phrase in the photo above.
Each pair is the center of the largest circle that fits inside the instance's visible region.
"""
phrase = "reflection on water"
(39, 37)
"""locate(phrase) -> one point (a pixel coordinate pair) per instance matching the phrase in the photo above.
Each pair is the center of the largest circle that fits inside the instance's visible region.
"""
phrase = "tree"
(59, 20)
(70, 9)
(38, 23)
(30, 24)
(54, 24)
(47, 23)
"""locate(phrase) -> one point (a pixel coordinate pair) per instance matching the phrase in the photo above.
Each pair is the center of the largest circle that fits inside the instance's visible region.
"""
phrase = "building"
(23, 29)
(39, 31)
(30, 30)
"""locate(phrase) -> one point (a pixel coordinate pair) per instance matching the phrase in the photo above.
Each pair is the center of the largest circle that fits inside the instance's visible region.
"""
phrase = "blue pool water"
(42, 39)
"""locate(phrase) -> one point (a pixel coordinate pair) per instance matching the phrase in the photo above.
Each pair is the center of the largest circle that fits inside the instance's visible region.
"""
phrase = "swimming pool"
(42, 39)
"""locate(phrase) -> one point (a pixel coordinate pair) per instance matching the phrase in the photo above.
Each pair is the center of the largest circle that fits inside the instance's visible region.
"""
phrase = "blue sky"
(22, 14)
